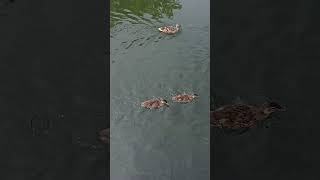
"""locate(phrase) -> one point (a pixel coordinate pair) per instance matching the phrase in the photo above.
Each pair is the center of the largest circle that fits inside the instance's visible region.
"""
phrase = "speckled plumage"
(242, 115)
(170, 29)
(154, 103)
(184, 98)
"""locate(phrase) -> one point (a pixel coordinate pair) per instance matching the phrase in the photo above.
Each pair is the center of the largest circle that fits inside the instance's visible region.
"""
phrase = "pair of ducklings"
(104, 134)
(160, 102)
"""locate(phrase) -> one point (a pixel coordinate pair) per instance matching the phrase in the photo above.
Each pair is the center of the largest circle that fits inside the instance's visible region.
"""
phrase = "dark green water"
(171, 143)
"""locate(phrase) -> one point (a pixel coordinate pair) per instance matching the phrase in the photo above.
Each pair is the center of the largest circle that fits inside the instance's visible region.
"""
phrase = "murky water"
(171, 143)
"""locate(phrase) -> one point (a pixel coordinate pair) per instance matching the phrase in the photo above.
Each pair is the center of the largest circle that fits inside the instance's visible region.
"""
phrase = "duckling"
(240, 115)
(104, 136)
(184, 98)
(170, 29)
(154, 103)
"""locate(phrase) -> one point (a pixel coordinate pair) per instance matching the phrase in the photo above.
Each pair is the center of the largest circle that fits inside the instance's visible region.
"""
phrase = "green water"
(170, 143)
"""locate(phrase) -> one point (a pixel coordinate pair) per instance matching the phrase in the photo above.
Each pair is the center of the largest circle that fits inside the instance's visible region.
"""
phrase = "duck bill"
(166, 104)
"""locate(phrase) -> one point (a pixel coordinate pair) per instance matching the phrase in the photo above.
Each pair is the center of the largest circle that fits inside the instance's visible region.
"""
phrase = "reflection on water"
(141, 11)
(173, 142)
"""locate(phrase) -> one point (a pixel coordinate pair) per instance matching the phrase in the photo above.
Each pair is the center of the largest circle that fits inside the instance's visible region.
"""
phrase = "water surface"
(170, 143)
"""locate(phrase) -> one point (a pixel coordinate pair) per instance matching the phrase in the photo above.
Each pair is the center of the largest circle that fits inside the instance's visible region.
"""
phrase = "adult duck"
(154, 103)
(170, 29)
(184, 98)
(237, 116)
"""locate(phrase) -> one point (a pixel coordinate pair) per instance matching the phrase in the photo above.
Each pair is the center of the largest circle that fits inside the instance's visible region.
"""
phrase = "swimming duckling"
(104, 136)
(154, 103)
(240, 115)
(170, 29)
(184, 98)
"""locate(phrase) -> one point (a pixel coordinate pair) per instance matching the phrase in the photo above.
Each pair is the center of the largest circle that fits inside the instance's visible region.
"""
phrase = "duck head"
(271, 107)
(178, 26)
(164, 102)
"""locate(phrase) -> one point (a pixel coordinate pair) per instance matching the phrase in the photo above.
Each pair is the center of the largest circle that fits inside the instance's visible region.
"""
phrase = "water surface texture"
(170, 143)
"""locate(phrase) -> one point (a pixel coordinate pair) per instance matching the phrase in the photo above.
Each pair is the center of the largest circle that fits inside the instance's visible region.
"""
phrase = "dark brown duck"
(240, 115)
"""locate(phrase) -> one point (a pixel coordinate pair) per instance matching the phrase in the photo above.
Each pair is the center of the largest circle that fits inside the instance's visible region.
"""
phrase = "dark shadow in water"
(135, 10)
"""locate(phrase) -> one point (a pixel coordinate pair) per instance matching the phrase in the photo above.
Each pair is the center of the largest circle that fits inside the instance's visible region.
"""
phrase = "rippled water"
(171, 143)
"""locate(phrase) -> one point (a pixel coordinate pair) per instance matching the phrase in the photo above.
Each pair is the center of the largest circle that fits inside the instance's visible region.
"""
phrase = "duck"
(184, 98)
(240, 115)
(155, 103)
(104, 136)
(170, 29)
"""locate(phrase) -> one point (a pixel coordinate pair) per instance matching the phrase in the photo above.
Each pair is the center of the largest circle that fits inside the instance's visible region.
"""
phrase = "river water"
(170, 143)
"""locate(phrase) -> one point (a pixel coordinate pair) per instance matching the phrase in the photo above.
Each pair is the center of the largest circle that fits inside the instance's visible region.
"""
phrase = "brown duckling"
(104, 136)
(170, 29)
(154, 103)
(240, 115)
(184, 98)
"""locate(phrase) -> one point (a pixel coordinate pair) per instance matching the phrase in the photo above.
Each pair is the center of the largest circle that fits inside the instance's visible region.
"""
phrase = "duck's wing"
(148, 102)
(155, 104)
(171, 28)
(163, 29)
(232, 114)
(177, 97)
(188, 98)
(182, 98)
